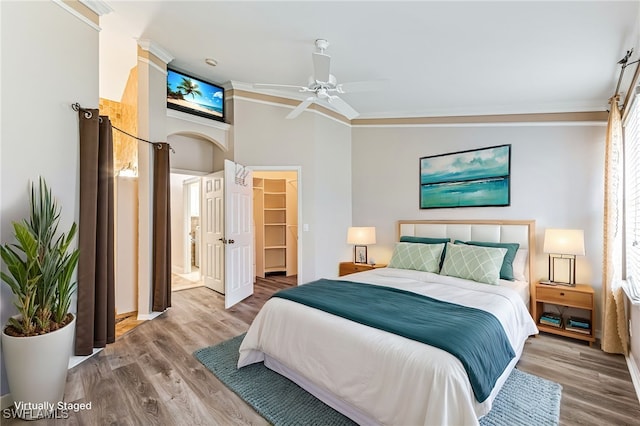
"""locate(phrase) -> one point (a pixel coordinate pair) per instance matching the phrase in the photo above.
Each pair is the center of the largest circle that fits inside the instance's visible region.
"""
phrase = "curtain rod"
(624, 62)
(88, 114)
(630, 91)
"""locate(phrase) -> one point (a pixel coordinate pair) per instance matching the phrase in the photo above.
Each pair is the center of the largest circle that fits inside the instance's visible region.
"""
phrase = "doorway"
(276, 216)
(185, 231)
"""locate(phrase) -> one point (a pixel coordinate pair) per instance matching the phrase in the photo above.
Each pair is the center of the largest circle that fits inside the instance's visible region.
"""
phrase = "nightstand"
(347, 268)
(580, 296)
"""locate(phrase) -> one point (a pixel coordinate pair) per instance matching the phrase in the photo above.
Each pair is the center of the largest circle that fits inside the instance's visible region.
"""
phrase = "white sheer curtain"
(614, 330)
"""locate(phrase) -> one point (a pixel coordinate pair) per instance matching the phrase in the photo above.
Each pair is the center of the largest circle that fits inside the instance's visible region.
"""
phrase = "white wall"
(556, 179)
(322, 148)
(54, 56)
(194, 154)
(177, 222)
(152, 113)
(332, 194)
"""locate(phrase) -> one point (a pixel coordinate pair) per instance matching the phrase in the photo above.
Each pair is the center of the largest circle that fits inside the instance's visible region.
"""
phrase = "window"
(632, 190)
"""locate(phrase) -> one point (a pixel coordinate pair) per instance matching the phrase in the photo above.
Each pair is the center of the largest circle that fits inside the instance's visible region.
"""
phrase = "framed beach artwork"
(473, 178)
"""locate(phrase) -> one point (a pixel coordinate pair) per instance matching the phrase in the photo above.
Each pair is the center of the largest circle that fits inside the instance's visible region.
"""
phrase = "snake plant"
(40, 266)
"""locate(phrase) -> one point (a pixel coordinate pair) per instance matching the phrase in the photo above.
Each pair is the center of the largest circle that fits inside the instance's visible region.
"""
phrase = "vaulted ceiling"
(434, 58)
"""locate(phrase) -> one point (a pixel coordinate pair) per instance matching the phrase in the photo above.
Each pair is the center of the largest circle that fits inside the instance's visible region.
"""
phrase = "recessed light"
(210, 61)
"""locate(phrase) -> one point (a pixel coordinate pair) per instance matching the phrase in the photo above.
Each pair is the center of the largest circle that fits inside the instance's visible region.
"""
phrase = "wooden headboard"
(522, 232)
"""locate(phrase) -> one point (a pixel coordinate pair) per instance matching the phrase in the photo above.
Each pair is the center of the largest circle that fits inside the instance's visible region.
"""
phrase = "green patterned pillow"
(506, 272)
(475, 263)
(420, 257)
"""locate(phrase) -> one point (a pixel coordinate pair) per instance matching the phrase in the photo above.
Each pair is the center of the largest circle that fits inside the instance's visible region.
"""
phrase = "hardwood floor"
(127, 322)
(185, 281)
(149, 375)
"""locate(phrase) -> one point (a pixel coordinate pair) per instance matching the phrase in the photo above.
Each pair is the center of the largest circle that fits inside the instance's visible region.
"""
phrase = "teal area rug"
(523, 400)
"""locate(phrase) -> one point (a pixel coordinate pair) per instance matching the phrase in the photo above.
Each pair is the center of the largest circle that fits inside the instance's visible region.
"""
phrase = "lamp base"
(562, 269)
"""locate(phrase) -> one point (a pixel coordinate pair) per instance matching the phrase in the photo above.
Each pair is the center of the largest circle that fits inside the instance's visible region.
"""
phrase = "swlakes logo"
(43, 410)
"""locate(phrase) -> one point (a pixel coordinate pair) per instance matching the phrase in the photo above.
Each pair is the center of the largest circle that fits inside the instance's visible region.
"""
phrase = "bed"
(378, 377)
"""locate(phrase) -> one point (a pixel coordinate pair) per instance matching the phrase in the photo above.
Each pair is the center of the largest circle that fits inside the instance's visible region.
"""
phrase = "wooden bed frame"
(522, 232)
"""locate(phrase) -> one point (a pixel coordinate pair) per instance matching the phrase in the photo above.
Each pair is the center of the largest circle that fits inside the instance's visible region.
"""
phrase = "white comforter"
(391, 379)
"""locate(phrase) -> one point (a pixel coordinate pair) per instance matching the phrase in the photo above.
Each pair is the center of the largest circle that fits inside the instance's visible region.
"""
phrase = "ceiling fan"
(323, 85)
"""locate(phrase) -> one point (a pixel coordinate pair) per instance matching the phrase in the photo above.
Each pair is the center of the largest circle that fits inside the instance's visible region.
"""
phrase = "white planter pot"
(37, 369)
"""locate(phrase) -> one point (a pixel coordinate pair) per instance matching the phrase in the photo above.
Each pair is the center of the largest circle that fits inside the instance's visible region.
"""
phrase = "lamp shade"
(564, 241)
(361, 235)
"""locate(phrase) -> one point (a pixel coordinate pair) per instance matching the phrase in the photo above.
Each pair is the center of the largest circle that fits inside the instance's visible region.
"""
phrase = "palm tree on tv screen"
(189, 87)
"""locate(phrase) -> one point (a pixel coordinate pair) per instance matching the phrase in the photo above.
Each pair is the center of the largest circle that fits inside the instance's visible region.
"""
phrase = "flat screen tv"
(194, 96)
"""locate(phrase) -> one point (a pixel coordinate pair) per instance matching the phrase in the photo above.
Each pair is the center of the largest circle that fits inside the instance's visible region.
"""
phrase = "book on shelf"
(551, 316)
(578, 329)
(579, 322)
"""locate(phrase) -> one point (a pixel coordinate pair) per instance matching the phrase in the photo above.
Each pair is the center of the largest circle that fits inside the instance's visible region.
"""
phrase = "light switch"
(305, 227)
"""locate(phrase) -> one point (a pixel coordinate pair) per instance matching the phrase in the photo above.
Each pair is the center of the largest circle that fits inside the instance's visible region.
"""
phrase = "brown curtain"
(95, 325)
(161, 228)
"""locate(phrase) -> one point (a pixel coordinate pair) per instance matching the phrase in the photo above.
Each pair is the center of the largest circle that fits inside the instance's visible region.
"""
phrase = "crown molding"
(585, 115)
(505, 109)
(586, 118)
(99, 7)
(80, 11)
(155, 50)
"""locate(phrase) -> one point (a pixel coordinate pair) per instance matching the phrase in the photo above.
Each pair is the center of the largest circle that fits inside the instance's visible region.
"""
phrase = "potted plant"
(37, 342)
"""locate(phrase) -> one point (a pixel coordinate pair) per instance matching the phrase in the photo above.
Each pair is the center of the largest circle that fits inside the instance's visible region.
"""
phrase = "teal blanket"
(474, 336)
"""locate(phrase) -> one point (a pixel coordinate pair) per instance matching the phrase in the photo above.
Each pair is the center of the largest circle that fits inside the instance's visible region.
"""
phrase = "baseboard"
(146, 317)
(6, 401)
(78, 359)
(634, 371)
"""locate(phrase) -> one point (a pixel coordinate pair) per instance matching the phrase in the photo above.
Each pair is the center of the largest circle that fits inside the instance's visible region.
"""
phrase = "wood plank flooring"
(149, 377)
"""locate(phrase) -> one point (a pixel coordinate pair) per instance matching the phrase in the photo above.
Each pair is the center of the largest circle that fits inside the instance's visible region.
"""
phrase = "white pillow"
(520, 265)
(476, 263)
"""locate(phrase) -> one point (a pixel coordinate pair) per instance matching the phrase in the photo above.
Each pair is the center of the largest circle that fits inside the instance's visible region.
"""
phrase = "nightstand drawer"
(565, 297)
(347, 268)
(360, 268)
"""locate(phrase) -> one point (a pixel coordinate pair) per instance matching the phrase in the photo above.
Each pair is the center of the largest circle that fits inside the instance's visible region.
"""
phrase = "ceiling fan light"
(322, 44)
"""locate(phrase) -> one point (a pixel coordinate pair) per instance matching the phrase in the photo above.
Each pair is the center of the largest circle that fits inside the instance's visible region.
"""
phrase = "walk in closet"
(275, 217)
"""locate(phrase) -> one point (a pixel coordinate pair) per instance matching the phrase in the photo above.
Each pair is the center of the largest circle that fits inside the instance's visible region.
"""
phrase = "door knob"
(224, 241)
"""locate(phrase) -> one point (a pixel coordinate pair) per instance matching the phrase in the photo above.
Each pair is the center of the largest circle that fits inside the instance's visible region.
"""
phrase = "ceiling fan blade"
(301, 107)
(321, 65)
(362, 86)
(278, 86)
(343, 107)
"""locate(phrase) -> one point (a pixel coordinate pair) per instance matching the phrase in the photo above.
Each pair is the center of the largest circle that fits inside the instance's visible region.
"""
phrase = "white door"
(212, 231)
(238, 277)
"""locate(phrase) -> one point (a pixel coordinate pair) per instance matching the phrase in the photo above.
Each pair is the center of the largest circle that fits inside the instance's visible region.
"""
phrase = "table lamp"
(360, 236)
(563, 245)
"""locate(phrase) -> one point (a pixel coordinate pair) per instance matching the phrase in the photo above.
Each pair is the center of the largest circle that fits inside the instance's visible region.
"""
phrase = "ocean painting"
(474, 178)
(193, 95)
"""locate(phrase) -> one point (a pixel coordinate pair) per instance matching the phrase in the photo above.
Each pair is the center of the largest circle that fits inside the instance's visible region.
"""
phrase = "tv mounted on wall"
(194, 96)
